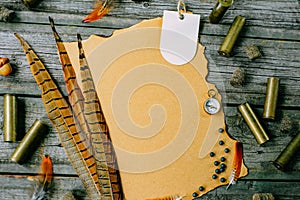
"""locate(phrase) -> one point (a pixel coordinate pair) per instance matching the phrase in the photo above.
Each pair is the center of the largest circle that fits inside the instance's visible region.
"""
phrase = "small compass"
(212, 105)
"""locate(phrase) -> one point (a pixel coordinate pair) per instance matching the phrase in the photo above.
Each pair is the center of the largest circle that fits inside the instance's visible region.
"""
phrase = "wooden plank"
(257, 158)
(123, 22)
(20, 187)
(266, 13)
(272, 25)
(245, 190)
(279, 60)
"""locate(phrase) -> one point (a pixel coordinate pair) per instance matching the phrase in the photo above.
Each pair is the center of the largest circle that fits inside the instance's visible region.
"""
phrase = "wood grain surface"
(274, 26)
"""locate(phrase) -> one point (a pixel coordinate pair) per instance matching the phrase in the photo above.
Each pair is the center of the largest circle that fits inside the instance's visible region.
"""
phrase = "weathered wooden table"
(274, 26)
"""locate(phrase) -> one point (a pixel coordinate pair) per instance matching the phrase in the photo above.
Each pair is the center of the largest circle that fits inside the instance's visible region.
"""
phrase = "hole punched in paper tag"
(179, 36)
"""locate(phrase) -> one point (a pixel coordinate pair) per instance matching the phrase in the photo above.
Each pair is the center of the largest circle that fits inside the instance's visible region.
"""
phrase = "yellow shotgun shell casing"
(253, 123)
(232, 36)
(29, 143)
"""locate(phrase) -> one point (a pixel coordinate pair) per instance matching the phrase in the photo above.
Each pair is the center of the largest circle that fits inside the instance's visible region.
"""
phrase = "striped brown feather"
(76, 99)
(97, 123)
(61, 116)
(74, 93)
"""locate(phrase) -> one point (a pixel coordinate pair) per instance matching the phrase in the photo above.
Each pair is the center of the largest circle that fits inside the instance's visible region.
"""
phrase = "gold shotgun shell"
(219, 10)
(253, 123)
(10, 118)
(288, 153)
(232, 36)
(29, 142)
(271, 98)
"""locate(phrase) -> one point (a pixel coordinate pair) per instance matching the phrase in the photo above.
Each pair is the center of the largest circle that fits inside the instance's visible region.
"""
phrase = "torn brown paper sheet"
(154, 110)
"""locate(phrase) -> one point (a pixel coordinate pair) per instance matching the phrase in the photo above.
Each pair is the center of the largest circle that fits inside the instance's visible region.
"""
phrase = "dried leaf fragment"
(6, 15)
(252, 52)
(238, 77)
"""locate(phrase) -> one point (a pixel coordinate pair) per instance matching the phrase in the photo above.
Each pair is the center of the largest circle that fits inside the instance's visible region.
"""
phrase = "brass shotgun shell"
(29, 142)
(10, 118)
(232, 36)
(219, 10)
(253, 123)
(288, 153)
(271, 98)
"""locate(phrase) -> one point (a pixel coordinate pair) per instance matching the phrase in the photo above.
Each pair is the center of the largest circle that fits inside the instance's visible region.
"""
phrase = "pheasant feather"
(61, 116)
(97, 124)
(83, 121)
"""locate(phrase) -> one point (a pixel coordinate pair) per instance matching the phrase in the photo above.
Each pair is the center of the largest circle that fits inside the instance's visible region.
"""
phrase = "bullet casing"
(29, 142)
(232, 36)
(271, 98)
(288, 153)
(219, 10)
(253, 123)
(10, 118)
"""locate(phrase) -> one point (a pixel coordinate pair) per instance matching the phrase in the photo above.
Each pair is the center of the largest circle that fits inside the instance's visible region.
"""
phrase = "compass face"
(212, 106)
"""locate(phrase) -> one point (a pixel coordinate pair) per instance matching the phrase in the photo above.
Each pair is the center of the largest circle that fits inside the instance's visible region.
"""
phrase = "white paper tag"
(179, 37)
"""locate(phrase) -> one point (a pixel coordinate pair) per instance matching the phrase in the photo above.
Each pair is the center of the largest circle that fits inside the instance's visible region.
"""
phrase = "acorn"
(5, 67)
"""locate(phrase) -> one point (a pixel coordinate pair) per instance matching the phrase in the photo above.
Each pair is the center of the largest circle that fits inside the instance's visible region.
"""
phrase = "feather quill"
(43, 181)
(61, 116)
(101, 8)
(236, 164)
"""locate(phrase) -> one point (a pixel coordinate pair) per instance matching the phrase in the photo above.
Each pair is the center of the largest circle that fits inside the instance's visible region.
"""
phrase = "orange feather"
(237, 159)
(43, 181)
(236, 164)
(46, 169)
(100, 9)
